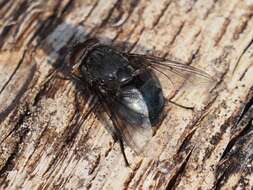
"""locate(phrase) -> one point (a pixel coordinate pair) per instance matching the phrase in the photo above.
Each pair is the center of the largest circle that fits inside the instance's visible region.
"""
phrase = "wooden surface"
(49, 139)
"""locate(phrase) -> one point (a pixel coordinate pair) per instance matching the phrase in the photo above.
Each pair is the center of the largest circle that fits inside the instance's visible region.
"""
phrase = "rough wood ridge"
(50, 139)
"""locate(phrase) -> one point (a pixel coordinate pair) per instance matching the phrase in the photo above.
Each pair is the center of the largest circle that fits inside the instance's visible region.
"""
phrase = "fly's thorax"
(107, 66)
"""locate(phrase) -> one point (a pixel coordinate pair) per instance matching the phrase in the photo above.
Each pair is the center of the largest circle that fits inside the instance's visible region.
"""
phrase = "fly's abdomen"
(150, 88)
(153, 97)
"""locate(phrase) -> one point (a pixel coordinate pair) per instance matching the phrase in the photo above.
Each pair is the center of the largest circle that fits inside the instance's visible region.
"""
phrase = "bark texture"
(50, 138)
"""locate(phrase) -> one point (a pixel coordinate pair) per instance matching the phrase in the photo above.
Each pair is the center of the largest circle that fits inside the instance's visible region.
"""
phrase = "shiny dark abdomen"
(151, 90)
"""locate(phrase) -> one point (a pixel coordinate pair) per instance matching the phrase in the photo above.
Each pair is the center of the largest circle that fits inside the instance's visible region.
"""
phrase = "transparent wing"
(174, 71)
(129, 114)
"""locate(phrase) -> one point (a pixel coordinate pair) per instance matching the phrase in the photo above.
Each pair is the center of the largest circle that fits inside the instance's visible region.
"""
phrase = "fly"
(128, 89)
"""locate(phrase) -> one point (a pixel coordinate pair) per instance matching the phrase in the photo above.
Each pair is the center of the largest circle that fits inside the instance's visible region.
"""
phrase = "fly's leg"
(114, 131)
(118, 139)
(122, 149)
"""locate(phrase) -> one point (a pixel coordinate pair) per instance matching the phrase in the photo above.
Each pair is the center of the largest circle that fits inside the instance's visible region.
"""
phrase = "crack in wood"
(175, 179)
(164, 9)
(124, 8)
(132, 175)
(38, 141)
(68, 136)
(222, 31)
(103, 22)
(6, 31)
(137, 185)
(209, 11)
(13, 73)
(19, 95)
(244, 73)
(179, 30)
(228, 163)
(242, 27)
(20, 134)
(4, 3)
(90, 12)
(241, 55)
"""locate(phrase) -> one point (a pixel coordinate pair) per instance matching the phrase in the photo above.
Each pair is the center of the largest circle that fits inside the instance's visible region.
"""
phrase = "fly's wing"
(129, 114)
(174, 72)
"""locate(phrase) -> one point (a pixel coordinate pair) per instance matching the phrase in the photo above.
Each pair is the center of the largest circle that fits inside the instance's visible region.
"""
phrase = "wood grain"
(51, 139)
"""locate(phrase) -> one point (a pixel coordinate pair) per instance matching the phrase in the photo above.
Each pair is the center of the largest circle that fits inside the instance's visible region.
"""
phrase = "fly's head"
(77, 59)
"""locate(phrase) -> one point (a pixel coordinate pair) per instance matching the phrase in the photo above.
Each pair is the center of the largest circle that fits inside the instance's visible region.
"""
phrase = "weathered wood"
(50, 139)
